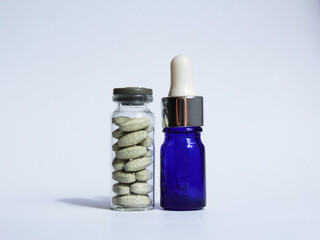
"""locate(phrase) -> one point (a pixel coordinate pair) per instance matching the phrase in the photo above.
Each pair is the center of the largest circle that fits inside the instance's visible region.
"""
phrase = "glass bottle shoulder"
(183, 137)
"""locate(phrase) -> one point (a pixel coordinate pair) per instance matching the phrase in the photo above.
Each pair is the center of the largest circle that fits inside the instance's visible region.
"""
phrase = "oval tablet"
(134, 124)
(131, 152)
(148, 142)
(149, 128)
(118, 134)
(148, 154)
(119, 120)
(137, 164)
(124, 177)
(115, 147)
(134, 201)
(141, 188)
(118, 164)
(143, 175)
(115, 200)
(121, 189)
(132, 138)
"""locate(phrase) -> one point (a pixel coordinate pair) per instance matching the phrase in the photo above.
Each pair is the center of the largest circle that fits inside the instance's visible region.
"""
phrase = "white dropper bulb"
(181, 77)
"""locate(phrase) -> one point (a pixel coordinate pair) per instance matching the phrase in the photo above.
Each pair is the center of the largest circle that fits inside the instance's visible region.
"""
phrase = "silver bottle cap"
(182, 111)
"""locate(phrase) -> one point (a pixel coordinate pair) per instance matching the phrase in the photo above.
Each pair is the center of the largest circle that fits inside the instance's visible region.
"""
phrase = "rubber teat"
(181, 77)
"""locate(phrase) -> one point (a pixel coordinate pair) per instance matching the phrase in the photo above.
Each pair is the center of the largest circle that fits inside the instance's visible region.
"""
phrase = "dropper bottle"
(183, 184)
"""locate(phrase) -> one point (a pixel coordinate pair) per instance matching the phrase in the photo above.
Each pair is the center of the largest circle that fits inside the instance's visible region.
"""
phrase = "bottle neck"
(182, 131)
(132, 107)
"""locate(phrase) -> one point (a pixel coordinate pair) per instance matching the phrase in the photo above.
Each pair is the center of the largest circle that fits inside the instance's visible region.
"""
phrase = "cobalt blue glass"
(183, 181)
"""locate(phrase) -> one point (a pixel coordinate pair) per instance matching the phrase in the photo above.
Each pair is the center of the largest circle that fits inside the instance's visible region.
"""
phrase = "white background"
(257, 64)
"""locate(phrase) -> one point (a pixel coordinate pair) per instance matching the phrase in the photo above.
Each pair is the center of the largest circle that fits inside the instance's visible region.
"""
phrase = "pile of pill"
(132, 157)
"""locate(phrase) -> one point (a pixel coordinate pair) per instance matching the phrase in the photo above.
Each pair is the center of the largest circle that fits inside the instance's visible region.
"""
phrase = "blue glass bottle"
(183, 184)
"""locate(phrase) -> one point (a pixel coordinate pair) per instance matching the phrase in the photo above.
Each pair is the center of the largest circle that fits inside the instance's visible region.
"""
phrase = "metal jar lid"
(132, 95)
(182, 111)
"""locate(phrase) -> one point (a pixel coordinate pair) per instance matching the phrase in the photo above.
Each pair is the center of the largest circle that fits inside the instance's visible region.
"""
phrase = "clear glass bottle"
(132, 160)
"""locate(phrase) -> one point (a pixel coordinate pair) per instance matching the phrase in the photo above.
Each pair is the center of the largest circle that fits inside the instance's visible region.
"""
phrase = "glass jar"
(132, 157)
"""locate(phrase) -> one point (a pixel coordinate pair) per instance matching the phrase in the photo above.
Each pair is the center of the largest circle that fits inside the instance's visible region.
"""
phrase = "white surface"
(181, 77)
(255, 62)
